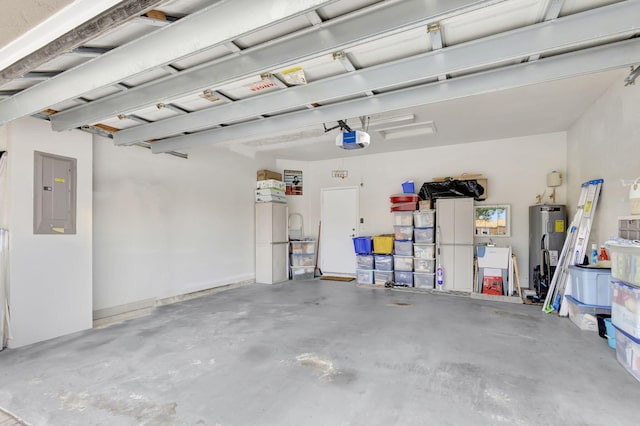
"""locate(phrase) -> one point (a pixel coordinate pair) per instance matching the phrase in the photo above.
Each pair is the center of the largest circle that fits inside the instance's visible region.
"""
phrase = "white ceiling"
(213, 74)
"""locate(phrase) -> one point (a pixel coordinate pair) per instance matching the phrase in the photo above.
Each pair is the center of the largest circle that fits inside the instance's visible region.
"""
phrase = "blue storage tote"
(424, 251)
(423, 235)
(404, 277)
(424, 265)
(408, 187)
(403, 263)
(382, 277)
(591, 285)
(403, 248)
(364, 261)
(424, 218)
(628, 352)
(423, 280)
(584, 315)
(403, 218)
(383, 262)
(364, 276)
(403, 233)
(625, 308)
(363, 245)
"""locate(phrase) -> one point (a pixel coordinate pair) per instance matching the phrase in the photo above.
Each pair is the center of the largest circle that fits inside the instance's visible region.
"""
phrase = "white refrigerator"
(272, 243)
(454, 242)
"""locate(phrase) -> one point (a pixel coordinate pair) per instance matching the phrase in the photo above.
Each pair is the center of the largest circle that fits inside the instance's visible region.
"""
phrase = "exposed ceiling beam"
(74, 14)
(89, 51)
(435, 34)
(105, 21)
(553, 11)
(40, 75)
(117, 65)
(573, 30)
(587, 61)
(311, 43)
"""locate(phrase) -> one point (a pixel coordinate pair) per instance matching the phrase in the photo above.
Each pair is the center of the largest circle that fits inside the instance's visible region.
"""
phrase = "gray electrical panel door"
(54, 201)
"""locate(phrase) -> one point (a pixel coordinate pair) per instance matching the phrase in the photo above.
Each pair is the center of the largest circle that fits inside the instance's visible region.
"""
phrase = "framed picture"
(293, 182)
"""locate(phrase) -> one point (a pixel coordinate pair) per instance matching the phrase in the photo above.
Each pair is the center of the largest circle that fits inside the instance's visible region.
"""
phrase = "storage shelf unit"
(302, 258)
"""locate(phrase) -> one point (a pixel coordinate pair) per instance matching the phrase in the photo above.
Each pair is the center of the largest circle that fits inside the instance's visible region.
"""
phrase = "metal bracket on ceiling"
(434, 31)
(633, 74)
(342, 124)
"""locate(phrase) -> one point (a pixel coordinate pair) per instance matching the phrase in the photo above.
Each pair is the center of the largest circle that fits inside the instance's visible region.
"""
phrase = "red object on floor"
(492, 285)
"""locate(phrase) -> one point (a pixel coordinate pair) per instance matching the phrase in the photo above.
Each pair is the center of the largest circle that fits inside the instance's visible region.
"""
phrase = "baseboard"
(206, 292)
(123, 309)
(509, 299)
(108, 316)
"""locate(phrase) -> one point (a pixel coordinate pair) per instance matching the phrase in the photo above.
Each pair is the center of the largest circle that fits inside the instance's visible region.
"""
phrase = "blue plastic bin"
(408, 187)
(363, 245)
(611, 333)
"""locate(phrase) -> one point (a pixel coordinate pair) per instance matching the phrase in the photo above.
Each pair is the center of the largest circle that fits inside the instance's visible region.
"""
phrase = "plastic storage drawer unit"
(424, 218)
(303, 260)
(364, 261)
(403, 233)
(424, 265)
(302, 272)
(382, 277)
(423, 235)
(403, 248)
(303, 247)
(423, 280)
(625, 261)
(625, 308)
(404, 277)
(591, 286)
(383, 262)
(403, 263)
(364, 276)
(583, 315)
(628, 352)
(424, 251)
(403, 218)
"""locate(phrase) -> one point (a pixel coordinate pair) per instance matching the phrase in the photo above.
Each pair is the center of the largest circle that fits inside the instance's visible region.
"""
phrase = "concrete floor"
(324, 353)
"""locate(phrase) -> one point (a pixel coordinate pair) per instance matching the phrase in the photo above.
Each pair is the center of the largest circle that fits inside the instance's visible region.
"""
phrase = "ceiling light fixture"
(382, 122)
(426, 128)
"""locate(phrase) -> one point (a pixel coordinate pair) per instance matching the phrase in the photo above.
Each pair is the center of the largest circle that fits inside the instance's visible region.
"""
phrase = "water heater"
(547, 232)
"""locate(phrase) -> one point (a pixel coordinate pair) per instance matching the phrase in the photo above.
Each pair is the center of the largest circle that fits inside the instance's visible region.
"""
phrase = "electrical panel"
(54, 191)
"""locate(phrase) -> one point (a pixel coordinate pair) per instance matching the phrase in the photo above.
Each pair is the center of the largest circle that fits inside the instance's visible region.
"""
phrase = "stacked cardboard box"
(268, 174)
(270, 190)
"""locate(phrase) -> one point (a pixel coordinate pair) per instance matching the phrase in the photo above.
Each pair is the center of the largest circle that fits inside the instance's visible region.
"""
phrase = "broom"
(317, 272)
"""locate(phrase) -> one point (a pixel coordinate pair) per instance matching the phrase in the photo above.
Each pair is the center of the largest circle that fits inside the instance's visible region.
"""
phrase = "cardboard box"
(270, 184)
(425, 205)
(483, 183)
(268, 174)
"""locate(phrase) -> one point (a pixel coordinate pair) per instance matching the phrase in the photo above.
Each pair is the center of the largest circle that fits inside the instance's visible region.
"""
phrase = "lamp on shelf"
(554, 179)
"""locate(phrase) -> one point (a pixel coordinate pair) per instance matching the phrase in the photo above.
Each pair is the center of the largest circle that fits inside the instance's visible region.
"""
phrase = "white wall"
(516, 169)
(605, 143)
(50, 275)
(166, 226)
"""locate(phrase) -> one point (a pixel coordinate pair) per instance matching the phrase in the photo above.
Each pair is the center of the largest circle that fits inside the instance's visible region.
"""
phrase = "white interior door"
(339, 216)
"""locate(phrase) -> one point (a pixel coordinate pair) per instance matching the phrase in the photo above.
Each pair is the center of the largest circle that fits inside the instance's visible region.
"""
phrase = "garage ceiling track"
(190, 73)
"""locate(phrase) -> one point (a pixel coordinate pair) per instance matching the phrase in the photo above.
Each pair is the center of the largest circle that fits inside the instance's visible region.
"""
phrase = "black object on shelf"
(451, 189)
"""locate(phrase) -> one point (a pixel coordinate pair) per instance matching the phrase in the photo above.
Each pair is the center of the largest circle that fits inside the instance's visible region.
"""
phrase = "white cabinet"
(454, 239)
(272, 245)
(271, 222)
